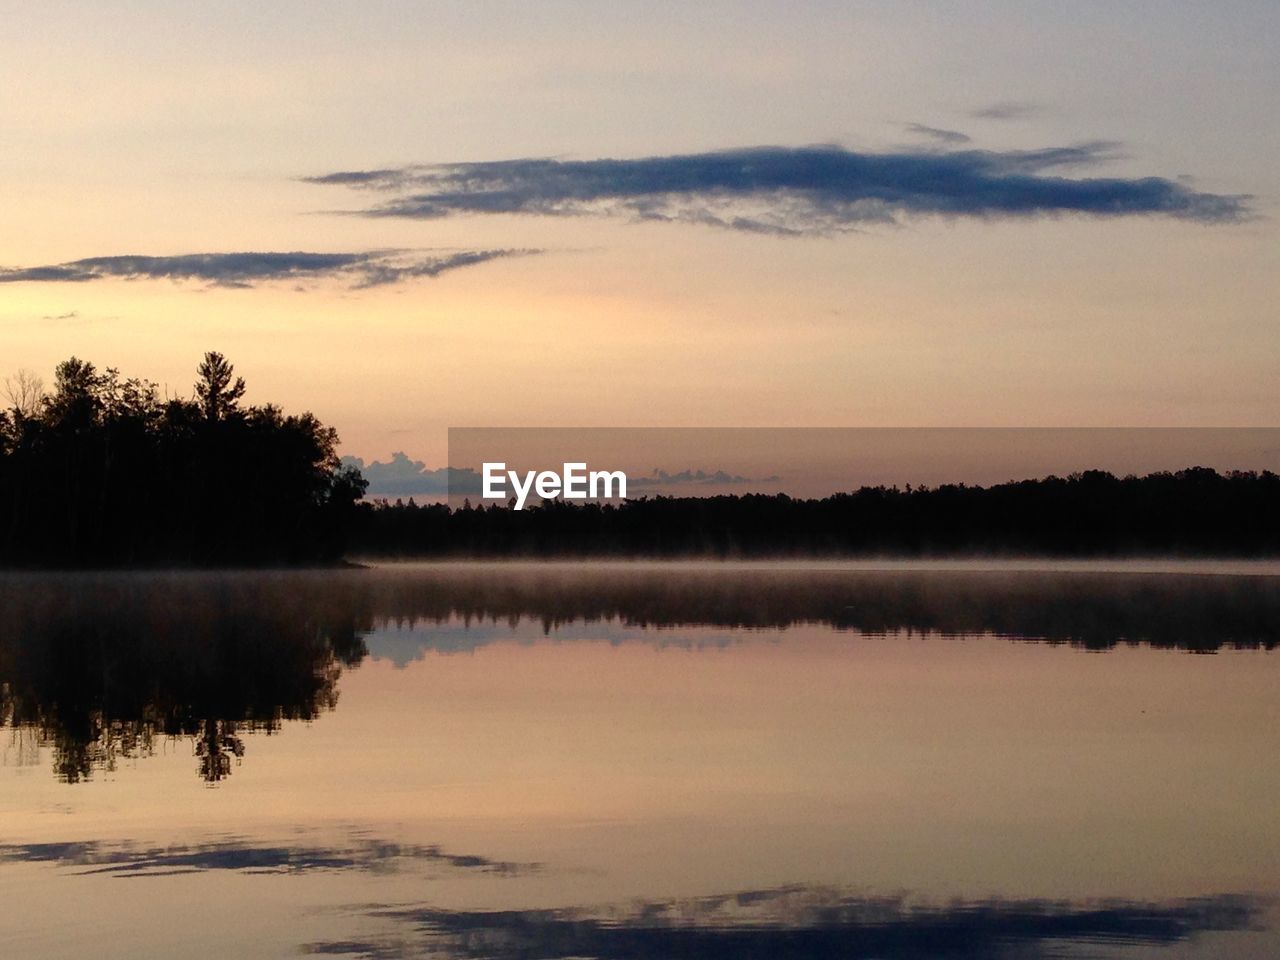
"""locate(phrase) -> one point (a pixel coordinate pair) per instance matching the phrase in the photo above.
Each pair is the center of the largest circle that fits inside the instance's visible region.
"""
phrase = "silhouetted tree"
(25, 393)
(216, 391)
(105, 473)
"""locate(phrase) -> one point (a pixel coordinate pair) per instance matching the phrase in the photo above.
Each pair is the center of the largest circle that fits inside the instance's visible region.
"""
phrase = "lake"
(642, 761)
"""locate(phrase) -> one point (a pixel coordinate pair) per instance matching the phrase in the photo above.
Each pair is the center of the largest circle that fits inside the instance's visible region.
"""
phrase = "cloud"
(938, 134)
(403, 477)
(1008, 110)
(367, 269)
(789, 191)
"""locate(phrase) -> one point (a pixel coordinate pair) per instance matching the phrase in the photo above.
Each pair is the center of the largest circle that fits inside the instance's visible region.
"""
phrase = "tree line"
(100, 470)
(1192, 512)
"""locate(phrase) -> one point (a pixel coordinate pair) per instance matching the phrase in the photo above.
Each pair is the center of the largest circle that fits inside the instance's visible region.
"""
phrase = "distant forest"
(100, 470)
(1193, 512)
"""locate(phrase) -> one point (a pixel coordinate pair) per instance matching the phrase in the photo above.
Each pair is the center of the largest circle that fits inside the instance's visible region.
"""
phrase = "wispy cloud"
(938, 133)
(365, 269)
(785, 190)
(1008, 110)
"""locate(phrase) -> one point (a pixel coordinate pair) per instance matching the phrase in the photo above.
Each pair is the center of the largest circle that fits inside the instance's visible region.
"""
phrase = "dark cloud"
(783, 190)
(938, 133)
(368, 269)
(1008, 110)
(801, 923)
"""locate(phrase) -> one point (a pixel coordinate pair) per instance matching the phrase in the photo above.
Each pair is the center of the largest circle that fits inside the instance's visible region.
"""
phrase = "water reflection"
(103, 667)
(358, 853)
(575, 758)
(801, 923)
(1085, 608)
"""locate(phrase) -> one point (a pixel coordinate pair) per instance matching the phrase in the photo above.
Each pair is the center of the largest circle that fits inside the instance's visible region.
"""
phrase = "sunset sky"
(669, 214)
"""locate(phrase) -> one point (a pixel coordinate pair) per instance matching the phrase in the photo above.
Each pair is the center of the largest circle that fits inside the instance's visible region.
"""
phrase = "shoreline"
(1153, 565)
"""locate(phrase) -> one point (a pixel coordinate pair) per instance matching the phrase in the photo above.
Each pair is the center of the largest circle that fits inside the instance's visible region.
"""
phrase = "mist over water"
(643, 760)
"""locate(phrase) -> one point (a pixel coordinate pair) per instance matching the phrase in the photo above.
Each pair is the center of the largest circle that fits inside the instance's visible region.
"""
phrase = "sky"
(407, 217)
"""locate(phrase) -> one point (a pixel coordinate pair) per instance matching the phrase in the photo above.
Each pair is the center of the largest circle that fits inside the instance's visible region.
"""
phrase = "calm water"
(639, 762)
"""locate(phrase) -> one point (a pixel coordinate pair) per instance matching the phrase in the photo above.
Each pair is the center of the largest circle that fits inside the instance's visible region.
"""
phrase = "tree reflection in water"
(105, 666)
